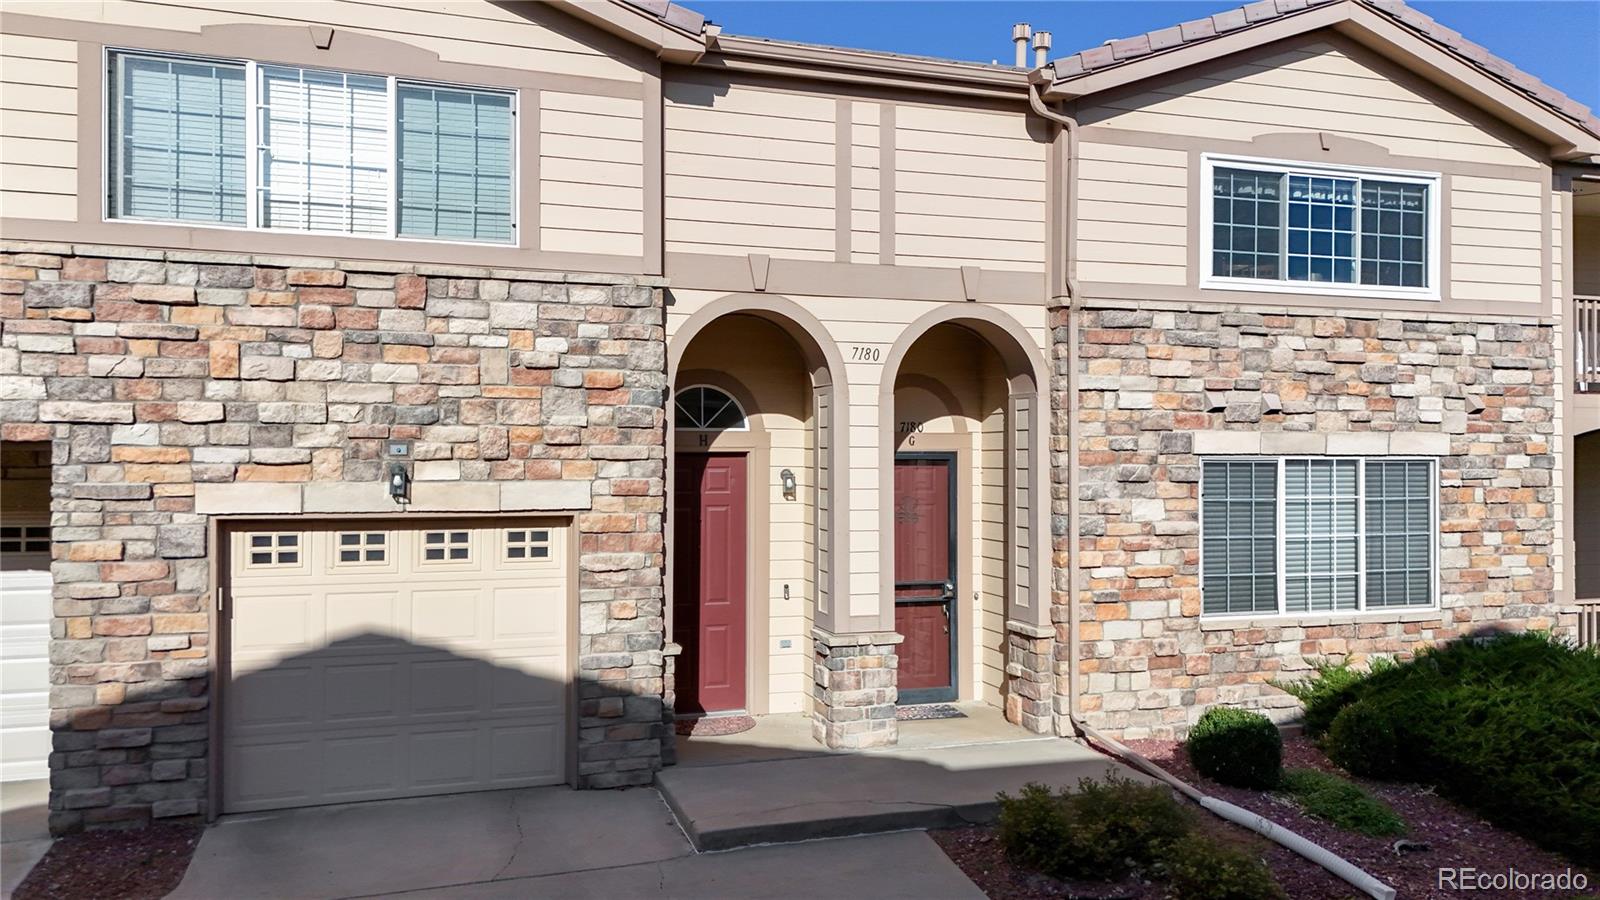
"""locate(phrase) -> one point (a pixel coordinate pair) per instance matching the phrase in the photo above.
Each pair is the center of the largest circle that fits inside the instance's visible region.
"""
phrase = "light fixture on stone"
(786, 477)
(399, 482)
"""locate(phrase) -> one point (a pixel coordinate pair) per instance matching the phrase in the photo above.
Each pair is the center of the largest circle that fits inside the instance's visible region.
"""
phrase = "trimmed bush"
(1505, 725)
(1332, 688)
(1103, 831)
(1345, 804)
(1200, 868)
(1237, 747)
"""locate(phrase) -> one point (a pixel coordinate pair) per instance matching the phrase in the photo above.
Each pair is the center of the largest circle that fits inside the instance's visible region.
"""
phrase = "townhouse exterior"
(411, 398)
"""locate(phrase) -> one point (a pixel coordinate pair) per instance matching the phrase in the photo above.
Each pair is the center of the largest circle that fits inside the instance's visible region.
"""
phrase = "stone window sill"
(1387, 617)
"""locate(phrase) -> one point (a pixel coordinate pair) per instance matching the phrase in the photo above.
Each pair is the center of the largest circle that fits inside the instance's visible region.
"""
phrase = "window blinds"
(1239, 502)
(455, 163)
(177, 140)
(324, 151)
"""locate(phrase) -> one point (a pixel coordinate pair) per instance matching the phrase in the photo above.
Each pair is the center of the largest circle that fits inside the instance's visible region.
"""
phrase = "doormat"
(928, 711)
(710, 726)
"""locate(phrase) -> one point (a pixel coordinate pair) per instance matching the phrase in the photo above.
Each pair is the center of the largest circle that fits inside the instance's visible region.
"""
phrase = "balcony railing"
(1589, 623)
(1586, 314)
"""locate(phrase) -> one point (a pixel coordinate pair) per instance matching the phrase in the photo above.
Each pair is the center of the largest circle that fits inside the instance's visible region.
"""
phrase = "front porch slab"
(767, 786)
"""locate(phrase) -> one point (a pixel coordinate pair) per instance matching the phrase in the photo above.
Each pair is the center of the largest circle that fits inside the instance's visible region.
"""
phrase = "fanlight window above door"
(705, 408)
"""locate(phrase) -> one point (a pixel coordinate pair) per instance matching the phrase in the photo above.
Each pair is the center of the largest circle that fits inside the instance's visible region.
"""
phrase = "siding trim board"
(831, 279)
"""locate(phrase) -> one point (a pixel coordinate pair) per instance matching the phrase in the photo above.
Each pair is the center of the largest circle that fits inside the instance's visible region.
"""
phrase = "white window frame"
(1434, 181)
(744, 415)
(109, 108)
(1361, 609)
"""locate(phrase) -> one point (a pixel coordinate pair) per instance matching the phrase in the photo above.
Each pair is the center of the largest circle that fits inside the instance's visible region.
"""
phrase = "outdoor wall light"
(787, 477)
(398, 482)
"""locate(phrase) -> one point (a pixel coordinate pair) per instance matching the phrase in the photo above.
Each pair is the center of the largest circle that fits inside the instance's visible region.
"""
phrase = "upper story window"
(1317, 535)
(241, 144)
(1293, 227)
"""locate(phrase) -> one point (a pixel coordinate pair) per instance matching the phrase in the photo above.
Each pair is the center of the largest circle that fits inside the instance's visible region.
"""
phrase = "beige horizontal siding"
(1497, 228)
(866, 163)
(969, 189)
(750, 170)
(1132, 214)
(38, 128)
(591, 174)
(493, 34)
(1312, 88)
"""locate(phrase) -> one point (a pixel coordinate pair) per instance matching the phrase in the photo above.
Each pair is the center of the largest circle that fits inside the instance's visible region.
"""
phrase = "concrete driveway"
(538, 842)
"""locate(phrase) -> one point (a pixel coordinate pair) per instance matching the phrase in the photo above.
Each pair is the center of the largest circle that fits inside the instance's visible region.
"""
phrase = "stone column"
(1029, 676)
(854, 692)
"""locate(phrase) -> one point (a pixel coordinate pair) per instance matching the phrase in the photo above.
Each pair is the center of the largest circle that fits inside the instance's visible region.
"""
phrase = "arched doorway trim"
(830, 428)
(1028, 498)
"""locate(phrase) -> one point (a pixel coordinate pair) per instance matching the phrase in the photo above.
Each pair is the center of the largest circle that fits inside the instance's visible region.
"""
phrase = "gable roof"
(1099, 68)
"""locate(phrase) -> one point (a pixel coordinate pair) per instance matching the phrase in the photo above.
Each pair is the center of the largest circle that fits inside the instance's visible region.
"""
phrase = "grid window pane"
(1322, 229)
(1245, 220)
(455, 163)
(1394, 242)
(1399, 533)
(325, 154)
(1320, 531)
(1239, 541)
(177, 140)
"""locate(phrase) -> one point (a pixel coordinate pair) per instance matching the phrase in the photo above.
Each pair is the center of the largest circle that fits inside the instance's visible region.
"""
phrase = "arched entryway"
(752, 521)
(964, 527)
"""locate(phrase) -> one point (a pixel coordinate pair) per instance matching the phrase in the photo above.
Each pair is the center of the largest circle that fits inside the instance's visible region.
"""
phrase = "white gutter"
(1351, 873)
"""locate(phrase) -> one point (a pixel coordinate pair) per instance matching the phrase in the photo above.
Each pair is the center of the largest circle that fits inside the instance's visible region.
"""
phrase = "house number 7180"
(866, 354)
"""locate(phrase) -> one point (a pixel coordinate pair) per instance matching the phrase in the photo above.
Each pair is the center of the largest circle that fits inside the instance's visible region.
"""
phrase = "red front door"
(708, 584)
(924, 576)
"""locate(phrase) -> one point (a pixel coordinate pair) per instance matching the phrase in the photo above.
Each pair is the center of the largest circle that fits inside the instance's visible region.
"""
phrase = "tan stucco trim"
(886, 184)
(826, 365)
(1564, 138)
(655, 157)
(709, 271)
(755, 445)
(1028, 377)
(1566, 386)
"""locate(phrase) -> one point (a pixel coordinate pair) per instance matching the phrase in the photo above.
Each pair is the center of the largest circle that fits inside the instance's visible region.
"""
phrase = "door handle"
(949, 590)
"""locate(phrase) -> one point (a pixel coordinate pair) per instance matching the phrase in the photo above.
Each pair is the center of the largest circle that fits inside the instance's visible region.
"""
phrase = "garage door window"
(446, 546)
(274, 549)
(357, 547)
(527, 544)
(25, 539)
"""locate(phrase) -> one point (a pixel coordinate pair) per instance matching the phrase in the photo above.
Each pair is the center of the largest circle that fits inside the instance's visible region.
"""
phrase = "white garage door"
(24, 649)
(371, 660)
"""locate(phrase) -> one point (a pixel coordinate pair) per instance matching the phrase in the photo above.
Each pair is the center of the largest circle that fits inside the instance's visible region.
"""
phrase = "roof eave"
(1566, 139)
(734, 51)
(666, 41)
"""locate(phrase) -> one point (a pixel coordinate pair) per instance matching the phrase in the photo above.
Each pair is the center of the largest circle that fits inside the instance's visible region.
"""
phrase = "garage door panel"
(361, 692)
(395, 660)
(447, 686)
(527, 752)
(275, 697)
(358, 617)
(448, 758)
(361, 766)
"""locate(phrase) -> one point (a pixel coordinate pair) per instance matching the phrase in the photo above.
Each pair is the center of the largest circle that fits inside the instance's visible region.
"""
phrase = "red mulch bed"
(1455, 838)
(132, 864)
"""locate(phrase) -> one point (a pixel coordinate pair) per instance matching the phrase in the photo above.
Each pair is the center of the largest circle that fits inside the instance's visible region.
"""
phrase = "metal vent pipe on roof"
(1020, 33)
(1041, 49)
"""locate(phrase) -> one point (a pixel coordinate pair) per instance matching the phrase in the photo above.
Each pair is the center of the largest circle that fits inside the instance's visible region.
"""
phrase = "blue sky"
(1557, 41)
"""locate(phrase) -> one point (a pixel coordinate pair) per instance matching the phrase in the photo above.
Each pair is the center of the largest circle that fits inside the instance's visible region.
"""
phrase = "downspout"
(1343, 868)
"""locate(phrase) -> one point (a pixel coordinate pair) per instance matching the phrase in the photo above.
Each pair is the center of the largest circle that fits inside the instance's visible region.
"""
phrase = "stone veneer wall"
(1157, 389)
(853, 689)
(176, 384)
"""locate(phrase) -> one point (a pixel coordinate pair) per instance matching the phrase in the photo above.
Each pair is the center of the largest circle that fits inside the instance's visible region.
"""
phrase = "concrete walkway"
(943, 773)
(544, 842)
(903, 866)
(24, 830)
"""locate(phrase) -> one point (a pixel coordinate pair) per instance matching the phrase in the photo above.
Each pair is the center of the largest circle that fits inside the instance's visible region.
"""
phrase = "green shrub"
(1509, 725)
(1237, 747)
(1103, 830)
(1200, 868)
(1346, 805)
(1332, 688)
